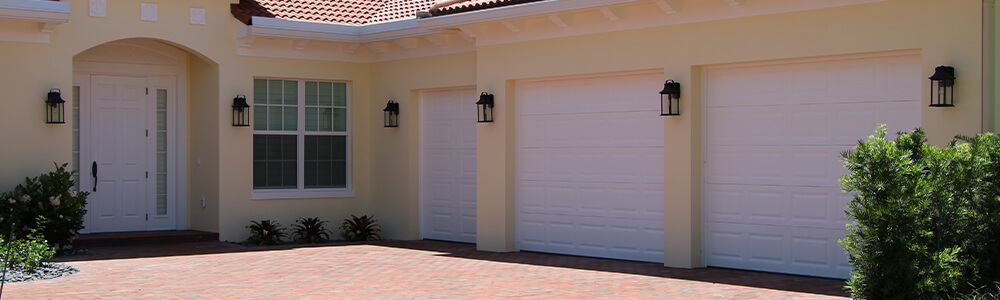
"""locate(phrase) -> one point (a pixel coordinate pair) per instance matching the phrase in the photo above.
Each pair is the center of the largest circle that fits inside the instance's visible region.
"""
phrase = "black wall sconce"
(485, 110)
(241, 111)
(391, 114)
(670, 99)
(55, 108)
(943, 87)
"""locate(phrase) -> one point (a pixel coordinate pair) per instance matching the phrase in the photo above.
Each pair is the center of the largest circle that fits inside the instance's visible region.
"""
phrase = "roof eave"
(540, 8)
(294, 29)
(38, 11)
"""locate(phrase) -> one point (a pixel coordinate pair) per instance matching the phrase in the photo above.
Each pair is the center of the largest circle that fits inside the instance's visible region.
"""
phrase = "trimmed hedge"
(926, 218)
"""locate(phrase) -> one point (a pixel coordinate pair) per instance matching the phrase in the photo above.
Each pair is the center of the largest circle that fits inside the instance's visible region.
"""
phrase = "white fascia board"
(292, 29)
(393, 30)
(33, 10)
(281, 28)
(540, 8)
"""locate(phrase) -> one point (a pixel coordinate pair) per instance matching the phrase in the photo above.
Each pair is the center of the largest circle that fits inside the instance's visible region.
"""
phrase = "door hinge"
(147, 91)
(147, 132)
(147, 174)
(147, 217)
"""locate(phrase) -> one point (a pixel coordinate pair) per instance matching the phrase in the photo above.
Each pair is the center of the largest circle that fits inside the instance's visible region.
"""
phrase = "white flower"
(72, 194)
(11, 200)
(54, 201)
(25, 198)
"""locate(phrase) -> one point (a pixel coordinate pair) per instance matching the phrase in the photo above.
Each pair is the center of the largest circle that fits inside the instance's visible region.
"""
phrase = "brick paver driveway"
(394, 269)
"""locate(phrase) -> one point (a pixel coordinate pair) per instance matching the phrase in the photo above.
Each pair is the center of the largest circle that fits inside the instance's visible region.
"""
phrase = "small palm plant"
(359, 229)
(310, 230)
(265, 232)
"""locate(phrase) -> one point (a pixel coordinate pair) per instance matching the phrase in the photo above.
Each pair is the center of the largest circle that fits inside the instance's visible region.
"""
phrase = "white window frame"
(300, 192)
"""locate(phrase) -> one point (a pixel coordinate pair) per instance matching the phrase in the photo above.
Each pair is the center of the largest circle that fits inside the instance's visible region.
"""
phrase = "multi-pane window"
(300, 134)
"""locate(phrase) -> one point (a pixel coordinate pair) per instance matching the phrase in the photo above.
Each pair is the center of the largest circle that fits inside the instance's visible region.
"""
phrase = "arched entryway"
(130, 134)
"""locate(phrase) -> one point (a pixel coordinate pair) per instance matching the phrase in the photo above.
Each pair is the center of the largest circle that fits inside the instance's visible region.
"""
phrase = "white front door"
(448, 165)
(123, 134)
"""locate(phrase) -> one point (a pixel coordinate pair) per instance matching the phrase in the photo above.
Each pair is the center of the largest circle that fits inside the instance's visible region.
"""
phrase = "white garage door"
(590, 166)
(772, 200)
(448, 165)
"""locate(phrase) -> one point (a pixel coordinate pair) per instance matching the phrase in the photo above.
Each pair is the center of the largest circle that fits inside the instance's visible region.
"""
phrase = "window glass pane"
(259, 117)
(259, 147)
(340, 94)
(274, 118)
(311, 118)
(311, 93)
(288, 147)
(339, 119)
(274, 174)
(259, 174)
(274, 91)
(324, 148)
(274, 161)
(339, 147)
(260, 91)
(289, 174)
(310, 174)
(325, 93)
(339, 173)
(325, 164)
(291, 92)
(291, 118)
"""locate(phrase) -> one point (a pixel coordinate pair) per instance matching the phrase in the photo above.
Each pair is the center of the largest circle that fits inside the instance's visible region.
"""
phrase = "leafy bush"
(47, 204)
(925, 217)
(310, 230)
(359, 229)
(26, 253)
(265, 232)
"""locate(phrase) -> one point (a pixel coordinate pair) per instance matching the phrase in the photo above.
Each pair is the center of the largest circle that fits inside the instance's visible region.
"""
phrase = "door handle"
(93, 172)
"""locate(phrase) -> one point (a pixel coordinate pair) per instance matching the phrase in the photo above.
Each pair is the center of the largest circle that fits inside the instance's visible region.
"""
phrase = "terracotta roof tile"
(349, 12)
(474, 5)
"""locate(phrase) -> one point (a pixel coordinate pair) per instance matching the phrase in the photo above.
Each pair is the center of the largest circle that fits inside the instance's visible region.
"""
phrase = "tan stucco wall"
(385, 161)
(953, 38)
(395, 196)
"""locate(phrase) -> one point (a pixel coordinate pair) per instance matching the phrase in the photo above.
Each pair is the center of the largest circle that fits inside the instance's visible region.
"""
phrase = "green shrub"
(360, 229)
(925, 218)
(265, 232)
(26, 254)
(47, 204)
(310, 230)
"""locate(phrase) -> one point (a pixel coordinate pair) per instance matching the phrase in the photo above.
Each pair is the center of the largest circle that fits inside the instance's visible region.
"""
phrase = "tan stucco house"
(577, 160)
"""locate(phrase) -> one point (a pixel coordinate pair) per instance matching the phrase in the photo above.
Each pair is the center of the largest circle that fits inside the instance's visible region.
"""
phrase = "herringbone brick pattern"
(394, 270)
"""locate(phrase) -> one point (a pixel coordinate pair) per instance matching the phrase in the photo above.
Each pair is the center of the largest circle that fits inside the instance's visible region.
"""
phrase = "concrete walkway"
(394, 270)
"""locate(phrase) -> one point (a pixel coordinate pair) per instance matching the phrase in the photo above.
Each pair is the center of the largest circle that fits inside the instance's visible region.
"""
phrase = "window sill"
(299, 194)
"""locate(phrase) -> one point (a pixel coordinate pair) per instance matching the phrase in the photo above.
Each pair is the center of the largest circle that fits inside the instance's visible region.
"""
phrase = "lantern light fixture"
(943, 87)
(485, 108)
(55, 108)
(391, 114)
(241, 111)
(670, 99)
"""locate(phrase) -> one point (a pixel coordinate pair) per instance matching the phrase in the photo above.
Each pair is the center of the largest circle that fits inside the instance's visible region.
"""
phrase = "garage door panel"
(592, 130)
(772, 195)
(777, 249)
(590, 167)
(589, 95)
(447, 165)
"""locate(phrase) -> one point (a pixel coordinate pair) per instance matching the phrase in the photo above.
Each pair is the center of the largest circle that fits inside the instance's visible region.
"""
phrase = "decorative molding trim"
(98, 8)
(197, 16)
(42, 11)
(556, 19)
(510, 26)
(611, 15)
(147, 12)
